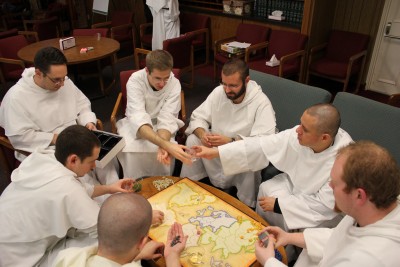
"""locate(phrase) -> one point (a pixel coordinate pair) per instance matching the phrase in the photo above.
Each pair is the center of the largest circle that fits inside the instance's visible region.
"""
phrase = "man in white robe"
(300, 197)
(235, 109)
(124, 242)
(43, 103)
(153, 104)
(366, 183)
(46, 208)
(166, 23)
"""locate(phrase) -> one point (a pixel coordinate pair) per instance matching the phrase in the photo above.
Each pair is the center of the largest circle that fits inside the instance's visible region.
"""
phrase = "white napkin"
(273, 61)
(277, 13)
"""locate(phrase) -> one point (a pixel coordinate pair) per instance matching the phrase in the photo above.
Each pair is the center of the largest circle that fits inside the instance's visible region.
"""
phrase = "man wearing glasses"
(237, 108)
(153, 104)
(42, 104)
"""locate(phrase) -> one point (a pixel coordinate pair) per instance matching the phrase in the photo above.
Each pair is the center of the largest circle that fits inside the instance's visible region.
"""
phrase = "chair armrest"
(114, 114)
(139, 51)
(12, 61)
(291, 56)
(30, 21)
(362, 55)
(4, 141)
(180, 135)
(318, 48)
(357, 56)
(30, 33)
(313, 51)
(99, 125)
(200, 32)
(119, 27)
(106, 24)
(183, 107)
(253, 48)
(143, 27)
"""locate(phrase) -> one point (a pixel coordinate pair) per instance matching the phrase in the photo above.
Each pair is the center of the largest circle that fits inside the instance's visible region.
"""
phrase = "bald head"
(124, 219)
(328, 118)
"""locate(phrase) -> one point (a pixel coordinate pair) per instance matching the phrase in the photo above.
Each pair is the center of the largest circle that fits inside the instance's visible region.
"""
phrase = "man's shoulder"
(342, 138)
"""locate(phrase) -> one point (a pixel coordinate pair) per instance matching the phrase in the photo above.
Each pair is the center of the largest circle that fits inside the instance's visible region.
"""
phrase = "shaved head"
(328, 118)
(123, 221)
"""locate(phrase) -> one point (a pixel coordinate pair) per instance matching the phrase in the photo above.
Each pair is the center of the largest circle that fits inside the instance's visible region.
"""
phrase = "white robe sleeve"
(173, 11)
(316, 240)
(167, 118)
(25, 130)
(308, 210)
(22, 130)
(84, 112)
(242, 156)
(273, 262)
(136, 104)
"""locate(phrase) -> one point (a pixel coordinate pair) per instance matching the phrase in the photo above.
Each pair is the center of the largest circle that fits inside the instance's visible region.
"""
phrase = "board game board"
(219, 234)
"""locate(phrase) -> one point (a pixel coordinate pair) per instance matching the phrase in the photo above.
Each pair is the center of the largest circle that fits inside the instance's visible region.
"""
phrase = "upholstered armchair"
(343, 57)
(245, 33)
(288, 47)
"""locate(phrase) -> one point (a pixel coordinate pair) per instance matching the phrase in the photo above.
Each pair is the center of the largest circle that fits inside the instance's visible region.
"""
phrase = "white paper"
(238, 44)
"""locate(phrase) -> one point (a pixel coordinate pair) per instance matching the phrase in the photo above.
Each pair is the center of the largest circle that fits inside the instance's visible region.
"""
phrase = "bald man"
(123, 224)
(300, 197)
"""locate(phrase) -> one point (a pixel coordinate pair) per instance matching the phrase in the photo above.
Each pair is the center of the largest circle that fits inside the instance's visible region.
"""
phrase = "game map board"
(219, 234)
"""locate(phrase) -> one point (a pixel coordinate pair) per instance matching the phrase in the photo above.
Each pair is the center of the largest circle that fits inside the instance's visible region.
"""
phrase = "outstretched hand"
(163, 156)
(175, 244)
(178, 152)
(205, 152)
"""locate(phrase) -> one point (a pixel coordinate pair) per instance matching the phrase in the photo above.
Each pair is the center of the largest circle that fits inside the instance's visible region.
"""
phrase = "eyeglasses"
(58, 81)
(230, 86)
(159, 80)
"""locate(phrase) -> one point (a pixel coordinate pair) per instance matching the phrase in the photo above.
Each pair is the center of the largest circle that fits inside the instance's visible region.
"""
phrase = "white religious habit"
(377, 244)
(87, 257)
(218, 114)
(304, 195)
(159, 109)
(31, 115)
(43, 210)
(166, 24)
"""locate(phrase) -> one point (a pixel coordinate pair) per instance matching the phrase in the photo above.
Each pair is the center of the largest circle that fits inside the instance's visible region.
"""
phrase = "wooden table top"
(102, 48)
(148, 190)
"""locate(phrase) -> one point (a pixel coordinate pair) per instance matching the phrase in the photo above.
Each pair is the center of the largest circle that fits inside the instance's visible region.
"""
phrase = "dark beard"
(237, 95)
